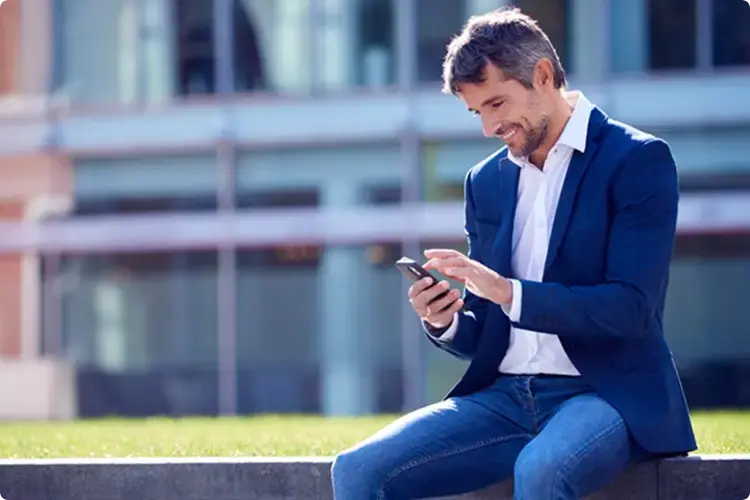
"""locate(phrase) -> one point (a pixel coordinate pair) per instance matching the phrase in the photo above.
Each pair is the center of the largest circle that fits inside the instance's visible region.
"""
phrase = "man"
(571, 229)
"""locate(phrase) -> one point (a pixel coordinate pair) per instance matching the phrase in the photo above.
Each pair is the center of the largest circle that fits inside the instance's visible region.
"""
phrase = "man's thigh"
(454, 446)
(582, 447)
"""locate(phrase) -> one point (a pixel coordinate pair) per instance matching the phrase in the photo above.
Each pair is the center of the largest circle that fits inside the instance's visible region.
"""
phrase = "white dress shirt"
(531, 352)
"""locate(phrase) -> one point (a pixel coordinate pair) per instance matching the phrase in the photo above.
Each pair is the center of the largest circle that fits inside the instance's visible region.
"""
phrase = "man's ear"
(544, 74)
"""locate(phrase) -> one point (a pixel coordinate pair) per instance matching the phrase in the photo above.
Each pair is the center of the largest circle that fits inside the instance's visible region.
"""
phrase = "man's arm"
(641, 243)
(462, 336)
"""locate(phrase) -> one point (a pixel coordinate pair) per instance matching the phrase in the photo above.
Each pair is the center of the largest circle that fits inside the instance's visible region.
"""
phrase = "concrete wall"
(693, 478)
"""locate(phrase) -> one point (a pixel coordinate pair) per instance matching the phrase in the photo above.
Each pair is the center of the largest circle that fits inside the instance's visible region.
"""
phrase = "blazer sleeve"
(641, 241)
(463, 335)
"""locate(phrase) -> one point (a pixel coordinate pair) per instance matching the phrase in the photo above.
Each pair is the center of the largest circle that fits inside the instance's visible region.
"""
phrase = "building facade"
(223, 186)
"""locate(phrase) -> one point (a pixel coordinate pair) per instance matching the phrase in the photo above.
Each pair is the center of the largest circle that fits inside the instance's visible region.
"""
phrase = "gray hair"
(505, 38)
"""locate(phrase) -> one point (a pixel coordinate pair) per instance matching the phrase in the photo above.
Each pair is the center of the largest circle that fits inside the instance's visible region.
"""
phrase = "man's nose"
(488, 128)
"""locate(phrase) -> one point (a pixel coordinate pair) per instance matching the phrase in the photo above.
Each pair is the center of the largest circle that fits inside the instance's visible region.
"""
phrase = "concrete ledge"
(694, 478)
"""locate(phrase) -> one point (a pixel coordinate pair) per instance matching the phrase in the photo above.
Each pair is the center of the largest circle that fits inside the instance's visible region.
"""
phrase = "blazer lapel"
(508, 192)
(579, 163)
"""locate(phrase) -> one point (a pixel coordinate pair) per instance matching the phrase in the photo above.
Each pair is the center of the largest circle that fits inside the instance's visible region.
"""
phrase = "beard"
(533, 138)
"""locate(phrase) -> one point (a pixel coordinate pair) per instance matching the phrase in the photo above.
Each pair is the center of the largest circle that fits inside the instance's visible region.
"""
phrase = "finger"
(446, 263)
(441, 253)
(459, 273)
(420, 286)
(421, 300)
(439, 303)
(444, 316)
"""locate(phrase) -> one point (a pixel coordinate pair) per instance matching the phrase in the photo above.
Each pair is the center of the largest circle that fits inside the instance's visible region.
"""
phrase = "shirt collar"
(575, 133)
(576, 130)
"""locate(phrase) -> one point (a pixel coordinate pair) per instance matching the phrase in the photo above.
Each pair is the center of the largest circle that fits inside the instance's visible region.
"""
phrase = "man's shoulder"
(626, 137)
(489, 163)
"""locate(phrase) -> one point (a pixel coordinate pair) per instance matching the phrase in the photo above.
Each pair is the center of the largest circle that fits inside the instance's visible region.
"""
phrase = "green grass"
(721, 432)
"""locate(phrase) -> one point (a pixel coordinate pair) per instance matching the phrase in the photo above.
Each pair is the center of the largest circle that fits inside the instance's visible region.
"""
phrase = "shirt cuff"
(447, 334)
(513, 310)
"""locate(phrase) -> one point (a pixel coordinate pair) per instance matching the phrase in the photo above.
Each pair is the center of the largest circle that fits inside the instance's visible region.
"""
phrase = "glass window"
(731, 36)
(276, 353)
(439, 20)
(314, 332)
(672, 34)
(272, 45)
(195, 46)
(445, 163)
(144, 51)
(351, 45)
(141, 325)
(653, 35)
(706, 322)
(134, 205)
(355, 44)
(118, 51)
(163, 182)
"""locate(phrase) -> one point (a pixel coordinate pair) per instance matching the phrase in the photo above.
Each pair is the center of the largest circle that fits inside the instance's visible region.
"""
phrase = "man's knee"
(540, 475)
(356, 472)
(348, 466)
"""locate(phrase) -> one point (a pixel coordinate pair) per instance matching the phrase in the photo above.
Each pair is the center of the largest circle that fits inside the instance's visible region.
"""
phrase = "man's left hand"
(478, 278)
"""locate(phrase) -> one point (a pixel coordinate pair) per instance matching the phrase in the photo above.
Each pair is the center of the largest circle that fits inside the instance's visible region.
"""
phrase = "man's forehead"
(490, 78)
(476, 94)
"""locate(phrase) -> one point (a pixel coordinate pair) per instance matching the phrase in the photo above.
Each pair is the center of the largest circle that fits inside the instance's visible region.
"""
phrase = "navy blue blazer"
(605, 278)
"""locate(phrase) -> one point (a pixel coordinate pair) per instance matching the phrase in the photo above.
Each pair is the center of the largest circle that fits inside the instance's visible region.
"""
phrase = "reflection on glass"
(672, 34)
(118, 51)
(355, 43)
(437, 22)
(145, 51)
(142, 328)
(277, 333)
(151, 183)
(272, 51)
(445, 163)
(731, 36)
(196, 47)
(318, 326)
(706, 320)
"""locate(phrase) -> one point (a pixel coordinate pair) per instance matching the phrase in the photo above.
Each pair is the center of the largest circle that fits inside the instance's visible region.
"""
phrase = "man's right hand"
(421, 295)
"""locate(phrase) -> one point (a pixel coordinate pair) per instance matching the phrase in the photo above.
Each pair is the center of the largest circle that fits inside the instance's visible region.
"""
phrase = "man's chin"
(517, 152)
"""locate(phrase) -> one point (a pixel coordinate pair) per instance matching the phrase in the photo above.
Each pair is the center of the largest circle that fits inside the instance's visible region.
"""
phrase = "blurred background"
(202, 200)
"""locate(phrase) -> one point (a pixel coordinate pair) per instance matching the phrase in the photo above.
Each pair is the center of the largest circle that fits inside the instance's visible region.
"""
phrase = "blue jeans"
(553, 435)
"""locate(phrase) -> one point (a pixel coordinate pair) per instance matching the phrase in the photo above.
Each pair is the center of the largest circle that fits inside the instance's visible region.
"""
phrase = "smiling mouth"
(508, 134)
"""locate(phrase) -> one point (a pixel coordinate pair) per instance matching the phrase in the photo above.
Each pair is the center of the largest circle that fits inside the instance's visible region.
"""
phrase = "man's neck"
(557, 121)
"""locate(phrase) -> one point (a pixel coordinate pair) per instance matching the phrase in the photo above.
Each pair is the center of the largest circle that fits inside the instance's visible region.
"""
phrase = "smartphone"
(415, 272)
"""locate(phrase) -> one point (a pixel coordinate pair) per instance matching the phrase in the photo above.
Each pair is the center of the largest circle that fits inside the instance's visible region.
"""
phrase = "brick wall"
(25, 179)
(10, 15)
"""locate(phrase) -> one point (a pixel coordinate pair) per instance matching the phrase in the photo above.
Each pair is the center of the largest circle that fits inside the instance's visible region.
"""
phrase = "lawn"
(720, 432)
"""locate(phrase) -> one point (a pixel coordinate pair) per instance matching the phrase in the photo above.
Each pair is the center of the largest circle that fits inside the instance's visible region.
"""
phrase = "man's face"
(516, 115)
